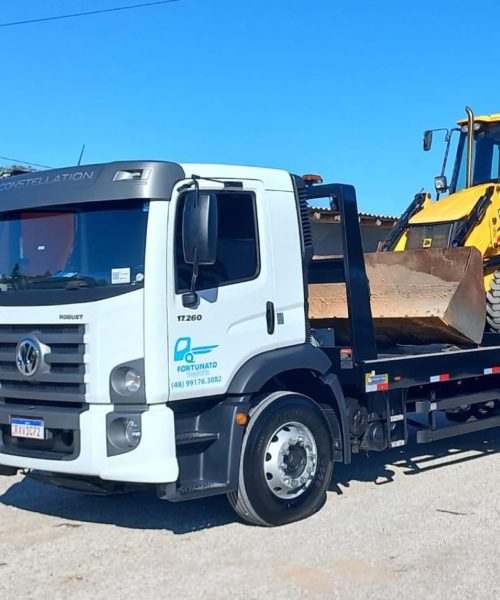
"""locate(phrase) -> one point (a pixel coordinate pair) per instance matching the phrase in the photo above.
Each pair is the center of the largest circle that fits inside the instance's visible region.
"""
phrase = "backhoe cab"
(469, 215)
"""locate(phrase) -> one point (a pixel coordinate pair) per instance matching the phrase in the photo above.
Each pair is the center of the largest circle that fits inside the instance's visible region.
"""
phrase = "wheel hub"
(290, 461)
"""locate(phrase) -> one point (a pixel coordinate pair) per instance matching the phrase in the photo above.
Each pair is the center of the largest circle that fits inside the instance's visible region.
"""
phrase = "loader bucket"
(417, 296)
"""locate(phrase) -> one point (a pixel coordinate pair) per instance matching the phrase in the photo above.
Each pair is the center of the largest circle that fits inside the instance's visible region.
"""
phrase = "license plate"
(33, 429)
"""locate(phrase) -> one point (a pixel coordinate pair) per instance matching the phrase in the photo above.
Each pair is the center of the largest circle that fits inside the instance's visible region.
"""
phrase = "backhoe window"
(486, 158)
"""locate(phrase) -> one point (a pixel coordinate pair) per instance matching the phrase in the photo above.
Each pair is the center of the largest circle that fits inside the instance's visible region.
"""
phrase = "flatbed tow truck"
(154, 329)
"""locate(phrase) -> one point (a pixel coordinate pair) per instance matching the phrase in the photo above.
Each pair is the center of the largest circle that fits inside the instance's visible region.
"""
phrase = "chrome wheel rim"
(290, 460)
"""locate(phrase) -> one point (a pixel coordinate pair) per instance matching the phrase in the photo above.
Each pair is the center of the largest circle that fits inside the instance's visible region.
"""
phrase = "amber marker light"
(310, 178)
(241, 419)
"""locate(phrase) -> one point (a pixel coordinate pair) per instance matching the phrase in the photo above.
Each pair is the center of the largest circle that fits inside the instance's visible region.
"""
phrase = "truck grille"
(63, 381)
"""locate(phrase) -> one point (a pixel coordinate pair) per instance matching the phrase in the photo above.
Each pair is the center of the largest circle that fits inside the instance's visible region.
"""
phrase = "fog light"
(124, 433)
(132, 381)
(132, 432)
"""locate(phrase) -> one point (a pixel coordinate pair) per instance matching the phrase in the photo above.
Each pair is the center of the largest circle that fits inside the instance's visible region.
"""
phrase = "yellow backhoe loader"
(470, 214)
(428, 282)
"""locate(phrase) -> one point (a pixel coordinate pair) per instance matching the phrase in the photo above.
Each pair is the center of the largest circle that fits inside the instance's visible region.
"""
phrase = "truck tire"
(493, 304)
(286, 461)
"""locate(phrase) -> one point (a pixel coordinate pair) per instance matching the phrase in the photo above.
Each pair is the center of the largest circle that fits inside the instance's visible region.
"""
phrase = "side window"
(237, 245)
(495, 163)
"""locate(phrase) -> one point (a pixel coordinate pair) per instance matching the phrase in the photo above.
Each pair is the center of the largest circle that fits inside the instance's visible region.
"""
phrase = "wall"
(328, 237)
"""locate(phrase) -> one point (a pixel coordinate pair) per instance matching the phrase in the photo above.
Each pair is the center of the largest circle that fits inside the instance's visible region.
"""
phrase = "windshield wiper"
(72, 281)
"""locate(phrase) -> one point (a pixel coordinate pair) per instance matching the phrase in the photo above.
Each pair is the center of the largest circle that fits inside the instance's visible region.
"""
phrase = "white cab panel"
(155, 304)
(288, 276)
(114, 333)
(208, 344)
(153, 461)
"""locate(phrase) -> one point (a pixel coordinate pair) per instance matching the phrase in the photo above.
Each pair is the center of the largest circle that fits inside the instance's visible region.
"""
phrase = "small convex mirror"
(427, 140)
(199, 228)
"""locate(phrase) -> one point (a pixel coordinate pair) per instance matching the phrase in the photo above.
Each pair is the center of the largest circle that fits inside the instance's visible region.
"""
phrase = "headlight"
(132, 381)
(465, 128)
(440, 183)
(127, 383)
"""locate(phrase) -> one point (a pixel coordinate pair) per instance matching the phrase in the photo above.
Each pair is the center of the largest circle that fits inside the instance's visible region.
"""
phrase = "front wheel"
(286, 461)
(493, 304)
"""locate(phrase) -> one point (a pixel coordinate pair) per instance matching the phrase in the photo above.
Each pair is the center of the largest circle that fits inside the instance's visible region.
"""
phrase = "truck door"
(234, 320)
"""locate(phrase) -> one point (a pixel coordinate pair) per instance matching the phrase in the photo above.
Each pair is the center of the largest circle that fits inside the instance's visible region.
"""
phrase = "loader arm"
(475, 217)
(402, 223)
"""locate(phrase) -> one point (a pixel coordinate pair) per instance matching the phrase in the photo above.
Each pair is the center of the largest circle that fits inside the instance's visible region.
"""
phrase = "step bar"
(429, 435)
(431, 432)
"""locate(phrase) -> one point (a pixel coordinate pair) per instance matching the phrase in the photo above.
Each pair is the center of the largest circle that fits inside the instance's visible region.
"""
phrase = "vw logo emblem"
(28, 357)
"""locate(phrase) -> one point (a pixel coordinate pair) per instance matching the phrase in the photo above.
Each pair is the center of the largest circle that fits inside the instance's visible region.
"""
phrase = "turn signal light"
(241, 418)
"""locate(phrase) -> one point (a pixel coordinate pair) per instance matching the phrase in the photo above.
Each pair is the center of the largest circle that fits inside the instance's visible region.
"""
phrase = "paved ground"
(407, 522)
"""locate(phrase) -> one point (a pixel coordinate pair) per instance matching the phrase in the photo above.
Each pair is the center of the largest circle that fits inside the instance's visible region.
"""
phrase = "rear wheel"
(482, 410)
(286, 461)
(460, 414)
(493, 303)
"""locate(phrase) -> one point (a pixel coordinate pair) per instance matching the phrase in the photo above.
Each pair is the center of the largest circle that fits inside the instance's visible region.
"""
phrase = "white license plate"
(33, 429)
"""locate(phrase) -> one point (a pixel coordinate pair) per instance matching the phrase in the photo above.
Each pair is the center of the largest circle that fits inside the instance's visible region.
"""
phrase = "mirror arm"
(191, 299)
(194, 276)
(445, 159)
(446, 152)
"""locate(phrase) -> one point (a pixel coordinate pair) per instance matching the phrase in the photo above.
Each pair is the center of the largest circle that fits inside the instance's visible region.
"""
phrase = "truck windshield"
(74, 247)
(486, 165)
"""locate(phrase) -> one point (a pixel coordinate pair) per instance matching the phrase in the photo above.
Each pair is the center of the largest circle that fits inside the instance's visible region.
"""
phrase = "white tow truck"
(154, 330)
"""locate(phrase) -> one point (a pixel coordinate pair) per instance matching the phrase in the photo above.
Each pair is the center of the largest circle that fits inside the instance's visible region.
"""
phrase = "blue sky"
(343, 88)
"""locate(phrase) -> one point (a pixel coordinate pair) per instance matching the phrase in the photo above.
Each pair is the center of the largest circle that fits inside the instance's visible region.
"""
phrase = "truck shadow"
(143, 510)
(414, 459)
(137, 510)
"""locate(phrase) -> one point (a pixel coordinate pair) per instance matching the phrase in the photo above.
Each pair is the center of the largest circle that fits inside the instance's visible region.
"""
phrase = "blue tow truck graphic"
(184, 351)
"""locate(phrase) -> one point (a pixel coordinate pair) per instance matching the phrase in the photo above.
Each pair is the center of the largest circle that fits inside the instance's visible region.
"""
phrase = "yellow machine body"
(485, 233)
(428, 282)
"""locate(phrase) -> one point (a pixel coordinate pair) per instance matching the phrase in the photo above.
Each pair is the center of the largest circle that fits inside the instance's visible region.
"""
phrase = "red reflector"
(442, 377)
(491, 371)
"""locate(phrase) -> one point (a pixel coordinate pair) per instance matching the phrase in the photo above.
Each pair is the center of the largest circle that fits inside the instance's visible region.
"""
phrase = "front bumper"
(153, 461)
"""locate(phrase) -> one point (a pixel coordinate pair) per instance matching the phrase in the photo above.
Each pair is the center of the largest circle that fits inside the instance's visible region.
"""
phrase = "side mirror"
(199, 237)
(441, 184)
(427, 140)
(199, 228)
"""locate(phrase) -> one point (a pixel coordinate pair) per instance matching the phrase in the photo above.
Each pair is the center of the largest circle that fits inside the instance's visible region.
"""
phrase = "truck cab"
(102, 360)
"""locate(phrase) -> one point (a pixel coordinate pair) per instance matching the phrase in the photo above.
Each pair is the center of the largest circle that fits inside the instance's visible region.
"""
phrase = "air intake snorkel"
(470, 144)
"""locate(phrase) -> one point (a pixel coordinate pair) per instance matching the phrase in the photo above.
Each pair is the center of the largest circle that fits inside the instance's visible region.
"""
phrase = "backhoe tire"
(286, 461)
(493, 304)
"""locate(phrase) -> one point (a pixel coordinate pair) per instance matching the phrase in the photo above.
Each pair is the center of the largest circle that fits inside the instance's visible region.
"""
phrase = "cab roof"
(495, 118)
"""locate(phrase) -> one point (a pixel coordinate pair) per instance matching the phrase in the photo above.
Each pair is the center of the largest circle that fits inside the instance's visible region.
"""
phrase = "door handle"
(270, 317)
